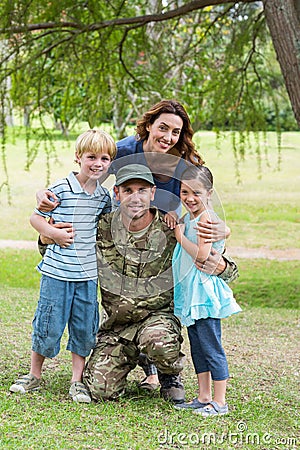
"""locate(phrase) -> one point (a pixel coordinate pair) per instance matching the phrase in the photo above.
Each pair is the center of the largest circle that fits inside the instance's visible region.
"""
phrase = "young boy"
(68, 292)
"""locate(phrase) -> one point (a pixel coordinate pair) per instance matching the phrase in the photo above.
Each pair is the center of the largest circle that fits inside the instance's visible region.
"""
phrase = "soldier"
(134, 255)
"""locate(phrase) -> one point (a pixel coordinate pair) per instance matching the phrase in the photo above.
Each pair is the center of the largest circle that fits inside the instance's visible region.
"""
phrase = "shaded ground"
(240, 252)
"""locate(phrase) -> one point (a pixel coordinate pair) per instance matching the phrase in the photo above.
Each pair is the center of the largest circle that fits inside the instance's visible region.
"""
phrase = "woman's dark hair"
(185, 145)
(201, 173)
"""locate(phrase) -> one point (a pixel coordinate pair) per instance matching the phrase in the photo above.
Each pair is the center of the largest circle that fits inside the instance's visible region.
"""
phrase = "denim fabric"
(206, 348)
(65, 302)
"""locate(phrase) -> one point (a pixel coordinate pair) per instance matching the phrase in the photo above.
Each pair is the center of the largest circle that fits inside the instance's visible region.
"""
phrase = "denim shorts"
(206, 348)
(65, 302)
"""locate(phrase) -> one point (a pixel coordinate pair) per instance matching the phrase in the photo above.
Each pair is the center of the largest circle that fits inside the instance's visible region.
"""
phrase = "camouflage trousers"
(112, 359)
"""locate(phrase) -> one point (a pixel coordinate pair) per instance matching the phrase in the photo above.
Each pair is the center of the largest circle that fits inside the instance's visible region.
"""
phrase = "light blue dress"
(198, 295)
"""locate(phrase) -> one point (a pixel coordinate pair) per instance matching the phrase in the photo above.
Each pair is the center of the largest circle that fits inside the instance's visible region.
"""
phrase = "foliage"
(214, 60)
(78, 62)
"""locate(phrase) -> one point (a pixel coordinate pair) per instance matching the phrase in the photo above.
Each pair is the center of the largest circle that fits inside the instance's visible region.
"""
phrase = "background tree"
(107, 61)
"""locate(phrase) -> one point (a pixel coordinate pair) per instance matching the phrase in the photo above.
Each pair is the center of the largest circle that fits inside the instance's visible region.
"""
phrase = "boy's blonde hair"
(95, 141)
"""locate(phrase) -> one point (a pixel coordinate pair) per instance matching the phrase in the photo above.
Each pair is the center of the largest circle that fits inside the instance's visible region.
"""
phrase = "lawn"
(262, 345)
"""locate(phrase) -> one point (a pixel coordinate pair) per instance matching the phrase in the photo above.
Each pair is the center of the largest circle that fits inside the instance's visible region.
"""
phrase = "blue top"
(130, 151)
(198, 295)
(78, 261)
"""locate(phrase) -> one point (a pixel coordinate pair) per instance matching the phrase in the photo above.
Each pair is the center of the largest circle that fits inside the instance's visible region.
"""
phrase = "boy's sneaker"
(79, 393)
(26, 383)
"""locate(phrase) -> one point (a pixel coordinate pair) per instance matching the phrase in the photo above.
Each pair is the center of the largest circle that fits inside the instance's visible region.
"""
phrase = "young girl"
(201, 300)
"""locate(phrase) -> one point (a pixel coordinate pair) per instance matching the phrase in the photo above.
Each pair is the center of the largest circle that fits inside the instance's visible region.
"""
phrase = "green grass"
(262, 349)
(18, 268)
(268, 283)
(275, 284)
(261, 346)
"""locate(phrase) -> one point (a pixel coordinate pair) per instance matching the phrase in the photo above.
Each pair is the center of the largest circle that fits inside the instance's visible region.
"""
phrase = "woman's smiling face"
(164, 133)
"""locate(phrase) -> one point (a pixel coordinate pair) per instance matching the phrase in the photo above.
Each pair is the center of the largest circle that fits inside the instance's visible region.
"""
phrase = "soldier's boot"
(171, 387)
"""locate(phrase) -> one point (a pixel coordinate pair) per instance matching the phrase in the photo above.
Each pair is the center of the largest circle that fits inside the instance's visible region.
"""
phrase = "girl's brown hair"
(201, 174)
(185, 146)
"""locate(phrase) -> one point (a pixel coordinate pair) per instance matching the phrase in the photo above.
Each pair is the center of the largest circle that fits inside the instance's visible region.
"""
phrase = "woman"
(163, 142)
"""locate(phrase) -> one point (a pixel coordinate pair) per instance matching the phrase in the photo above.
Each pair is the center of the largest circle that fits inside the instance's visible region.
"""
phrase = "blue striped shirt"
(77, 262)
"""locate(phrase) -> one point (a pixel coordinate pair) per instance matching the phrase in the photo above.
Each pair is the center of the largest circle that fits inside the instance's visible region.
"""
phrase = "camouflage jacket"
(135, 274)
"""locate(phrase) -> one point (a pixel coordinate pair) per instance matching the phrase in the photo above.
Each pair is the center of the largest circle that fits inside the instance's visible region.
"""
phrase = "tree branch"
(139, 21)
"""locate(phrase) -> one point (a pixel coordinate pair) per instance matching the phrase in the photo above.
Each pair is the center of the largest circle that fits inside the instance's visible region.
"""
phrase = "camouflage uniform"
(135, 276)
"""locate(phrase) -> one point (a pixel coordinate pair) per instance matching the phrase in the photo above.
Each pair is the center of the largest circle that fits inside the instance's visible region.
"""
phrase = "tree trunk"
(282, 17)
